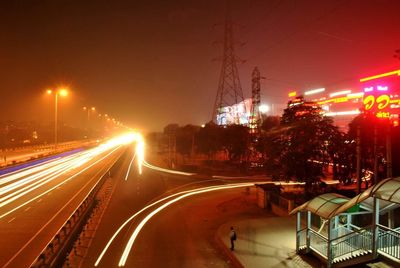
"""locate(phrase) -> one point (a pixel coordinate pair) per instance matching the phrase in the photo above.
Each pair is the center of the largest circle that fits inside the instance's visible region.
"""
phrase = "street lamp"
(88, 111)
(63, 93)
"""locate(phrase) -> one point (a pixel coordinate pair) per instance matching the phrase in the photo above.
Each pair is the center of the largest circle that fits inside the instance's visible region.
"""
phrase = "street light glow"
(63, 92)
(264, 108)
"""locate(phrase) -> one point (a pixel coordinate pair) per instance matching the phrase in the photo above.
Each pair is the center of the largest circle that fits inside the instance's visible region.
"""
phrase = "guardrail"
(389, 241)
(53, 255)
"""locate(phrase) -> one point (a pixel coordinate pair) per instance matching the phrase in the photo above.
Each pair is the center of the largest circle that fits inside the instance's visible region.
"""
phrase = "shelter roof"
(330, 204)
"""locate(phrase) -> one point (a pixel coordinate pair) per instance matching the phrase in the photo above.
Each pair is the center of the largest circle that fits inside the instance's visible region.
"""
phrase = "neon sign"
(380, 102)
(397, 72)
(379, 88)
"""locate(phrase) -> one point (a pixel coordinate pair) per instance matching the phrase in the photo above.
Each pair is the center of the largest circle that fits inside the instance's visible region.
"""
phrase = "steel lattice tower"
(255, 116)
(229, 88)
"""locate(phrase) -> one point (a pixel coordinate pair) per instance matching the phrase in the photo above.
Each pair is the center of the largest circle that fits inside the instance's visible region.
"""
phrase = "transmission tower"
(255, 116)
(229, 88)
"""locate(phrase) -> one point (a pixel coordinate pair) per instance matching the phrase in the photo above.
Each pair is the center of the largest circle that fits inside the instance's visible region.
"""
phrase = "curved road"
(181, 235)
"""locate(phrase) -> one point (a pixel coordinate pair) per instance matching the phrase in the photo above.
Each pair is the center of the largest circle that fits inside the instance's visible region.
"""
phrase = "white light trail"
(136, 232)
(339, 93)
(49, 169)
(139, 151)
(147, 207)
(314, 91)
(354, 112)
(167, 170)
(60, 167)
(39, 165)
(6, 178)
(129, 168)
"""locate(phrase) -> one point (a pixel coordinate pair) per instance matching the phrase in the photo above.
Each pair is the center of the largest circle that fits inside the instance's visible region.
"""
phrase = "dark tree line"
(300, 145)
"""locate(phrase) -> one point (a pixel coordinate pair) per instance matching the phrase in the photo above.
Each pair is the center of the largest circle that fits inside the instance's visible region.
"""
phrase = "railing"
(319, 243)
(355, 242)
(389, 241)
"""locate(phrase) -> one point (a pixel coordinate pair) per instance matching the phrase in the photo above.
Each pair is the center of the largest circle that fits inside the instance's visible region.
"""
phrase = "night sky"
(150, 63)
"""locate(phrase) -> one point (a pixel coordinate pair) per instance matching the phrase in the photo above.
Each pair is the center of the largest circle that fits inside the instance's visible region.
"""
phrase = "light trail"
(129, 168)
(6, 178)
(29, 188)
(58, 185)
(145, 208)
(46, 176)
(136, 232)
(22, 182)
(52, 171)
(140, 153)
(59, 170)
(167, 170)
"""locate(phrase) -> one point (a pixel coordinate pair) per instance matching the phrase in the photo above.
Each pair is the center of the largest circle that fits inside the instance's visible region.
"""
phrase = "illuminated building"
(377, 94)
(236, 114)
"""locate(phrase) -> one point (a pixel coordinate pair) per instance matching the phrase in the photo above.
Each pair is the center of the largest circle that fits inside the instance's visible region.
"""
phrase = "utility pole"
(388, 152)
(358, 152)
(229, 87)
(375, 154)
(55, 120)
(255, 116)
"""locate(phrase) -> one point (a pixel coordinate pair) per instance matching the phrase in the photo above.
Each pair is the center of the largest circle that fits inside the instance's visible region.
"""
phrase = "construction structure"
(229, 88)
(255, 115)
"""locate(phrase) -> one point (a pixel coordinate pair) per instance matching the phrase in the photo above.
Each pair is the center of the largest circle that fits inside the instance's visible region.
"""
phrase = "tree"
(208, 139)
(235, 141)
(185, 137)
(304, 141)
(370, 128)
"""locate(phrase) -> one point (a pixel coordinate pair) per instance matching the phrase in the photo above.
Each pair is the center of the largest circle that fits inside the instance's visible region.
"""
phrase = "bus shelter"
(344, 231)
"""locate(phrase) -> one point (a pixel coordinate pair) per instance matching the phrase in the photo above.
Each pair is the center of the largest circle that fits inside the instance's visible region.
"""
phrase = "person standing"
(232, 236)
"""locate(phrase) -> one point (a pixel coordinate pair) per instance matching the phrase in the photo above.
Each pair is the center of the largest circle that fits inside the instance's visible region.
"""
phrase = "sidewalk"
(264, 242)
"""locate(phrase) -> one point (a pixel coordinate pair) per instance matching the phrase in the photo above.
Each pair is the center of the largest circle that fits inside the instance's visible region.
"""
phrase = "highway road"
(35, 202)
(177, 236)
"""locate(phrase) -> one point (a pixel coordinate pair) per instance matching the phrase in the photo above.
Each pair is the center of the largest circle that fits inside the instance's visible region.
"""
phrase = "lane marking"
(40, 200)
(11, 220)
(28, 208)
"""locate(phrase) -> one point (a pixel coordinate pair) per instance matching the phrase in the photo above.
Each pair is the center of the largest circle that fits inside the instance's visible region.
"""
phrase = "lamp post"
(88, 110)
(62, 93)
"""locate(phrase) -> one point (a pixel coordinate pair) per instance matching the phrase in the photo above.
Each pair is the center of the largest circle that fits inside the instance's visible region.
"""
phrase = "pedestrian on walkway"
(233, 238)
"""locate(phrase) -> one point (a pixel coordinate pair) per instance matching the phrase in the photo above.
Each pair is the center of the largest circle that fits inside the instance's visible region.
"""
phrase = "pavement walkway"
(269, 242)
(265, 242)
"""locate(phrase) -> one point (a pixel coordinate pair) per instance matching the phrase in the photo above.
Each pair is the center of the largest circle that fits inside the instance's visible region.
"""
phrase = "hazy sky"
(150, 63)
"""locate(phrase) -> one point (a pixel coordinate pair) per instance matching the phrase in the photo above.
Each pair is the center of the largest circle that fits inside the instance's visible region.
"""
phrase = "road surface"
(182, 235)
